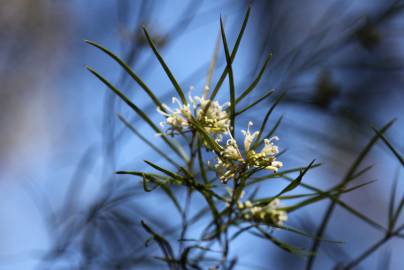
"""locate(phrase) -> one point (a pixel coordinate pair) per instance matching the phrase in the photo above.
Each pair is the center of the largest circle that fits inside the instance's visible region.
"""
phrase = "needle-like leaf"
(139, 112)
(146, 141)
(165, 67)
(264, 122)
(232, 56)
(254, 103)
(392, 200)
(256, 81)
(231, 79)
(390, 146)
(342, 184)
(163, 244)
(131, 73)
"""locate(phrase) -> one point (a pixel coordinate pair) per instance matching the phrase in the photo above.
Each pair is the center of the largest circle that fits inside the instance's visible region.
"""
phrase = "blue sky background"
(63, 116)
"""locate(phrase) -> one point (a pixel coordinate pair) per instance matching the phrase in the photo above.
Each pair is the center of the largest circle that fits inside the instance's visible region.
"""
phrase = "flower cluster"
(177, 119)
(231, 161)
(208, 113)
(211, 115)
(268, 214)
(214, 118)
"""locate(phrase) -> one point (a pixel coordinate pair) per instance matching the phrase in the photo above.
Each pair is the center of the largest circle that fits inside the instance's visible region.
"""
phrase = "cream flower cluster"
(177, 119)
(208, 113)
(268, 214)
(214, 118)
(232, 161)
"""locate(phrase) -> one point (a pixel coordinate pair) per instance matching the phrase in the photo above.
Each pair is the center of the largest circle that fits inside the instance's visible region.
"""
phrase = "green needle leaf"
(279, 174)
(275, 128)
(343, 183)
(146, 141)
(257, 140)
(163, 244)
(201, 163)
(392, 200)
(280, 244)
(294, 184)
(139, 112)
(390, 146)
(233, 55)
(135, 77)
(256, 81)
(254, 103)
(167, 172)
(166, 68)
(231, 79)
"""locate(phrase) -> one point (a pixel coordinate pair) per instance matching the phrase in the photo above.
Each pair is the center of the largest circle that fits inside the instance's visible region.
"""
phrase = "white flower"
(211, 115)
(231, 150)
(225, 170)
(269, 214)
(277, 216)
(232, 159)
(177, 119)
(208, 113)
(249, 138)
(275, 165)
(269, 147)
(248, 204)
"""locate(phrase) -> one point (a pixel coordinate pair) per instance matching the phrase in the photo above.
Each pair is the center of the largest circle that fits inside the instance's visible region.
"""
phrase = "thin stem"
(226, 229)
(184, 215)
(371, 249)
(390, 234)
(345, 181)
(184, 219)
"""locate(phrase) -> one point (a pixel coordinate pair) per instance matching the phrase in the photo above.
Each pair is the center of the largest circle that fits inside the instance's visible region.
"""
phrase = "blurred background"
(62, 207)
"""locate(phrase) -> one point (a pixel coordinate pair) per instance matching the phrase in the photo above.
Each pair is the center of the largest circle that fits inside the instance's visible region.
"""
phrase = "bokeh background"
(341, 63)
